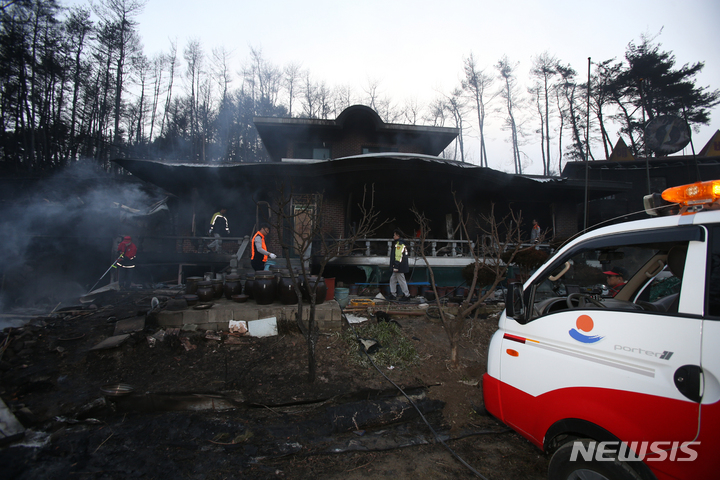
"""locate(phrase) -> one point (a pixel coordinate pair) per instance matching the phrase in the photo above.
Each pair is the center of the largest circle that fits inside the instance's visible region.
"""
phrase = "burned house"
(341, 161)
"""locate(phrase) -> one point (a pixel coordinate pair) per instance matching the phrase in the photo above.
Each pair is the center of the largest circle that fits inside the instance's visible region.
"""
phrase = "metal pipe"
(587, 151)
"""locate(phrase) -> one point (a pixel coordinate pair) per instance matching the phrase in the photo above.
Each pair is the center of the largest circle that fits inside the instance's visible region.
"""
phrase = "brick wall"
(333, 221)
(333, 217)
(565, 220)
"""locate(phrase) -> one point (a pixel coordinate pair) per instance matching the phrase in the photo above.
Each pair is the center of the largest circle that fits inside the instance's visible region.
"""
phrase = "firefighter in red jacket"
(126, 261)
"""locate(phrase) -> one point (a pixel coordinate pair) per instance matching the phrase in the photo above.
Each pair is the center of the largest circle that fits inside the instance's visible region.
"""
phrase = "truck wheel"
(561, 468)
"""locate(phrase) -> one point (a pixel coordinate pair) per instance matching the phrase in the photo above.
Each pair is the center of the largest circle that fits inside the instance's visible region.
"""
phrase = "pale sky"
(415, 49)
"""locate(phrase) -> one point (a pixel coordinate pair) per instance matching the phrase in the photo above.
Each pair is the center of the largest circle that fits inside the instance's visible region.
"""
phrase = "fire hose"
(437, 437)
(114, 265)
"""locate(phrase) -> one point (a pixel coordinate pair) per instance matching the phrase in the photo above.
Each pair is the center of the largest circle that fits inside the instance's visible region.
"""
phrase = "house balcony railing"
(433, 247)
(369, 248)
(436, 247)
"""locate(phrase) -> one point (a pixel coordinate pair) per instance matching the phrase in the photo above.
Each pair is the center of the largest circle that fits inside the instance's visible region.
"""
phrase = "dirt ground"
(264, 419)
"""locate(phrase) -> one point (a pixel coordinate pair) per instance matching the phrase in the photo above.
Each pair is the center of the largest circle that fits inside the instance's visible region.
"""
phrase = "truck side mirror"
(515, 303)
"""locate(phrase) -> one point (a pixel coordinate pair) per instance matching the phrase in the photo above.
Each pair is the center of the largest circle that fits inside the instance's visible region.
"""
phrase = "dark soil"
(349, 423)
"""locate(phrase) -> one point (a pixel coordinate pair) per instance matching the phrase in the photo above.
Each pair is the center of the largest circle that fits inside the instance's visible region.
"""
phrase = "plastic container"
(330, 284)
(342, 296)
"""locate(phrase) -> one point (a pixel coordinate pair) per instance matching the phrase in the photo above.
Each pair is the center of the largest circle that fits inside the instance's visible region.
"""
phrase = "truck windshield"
(623, 272)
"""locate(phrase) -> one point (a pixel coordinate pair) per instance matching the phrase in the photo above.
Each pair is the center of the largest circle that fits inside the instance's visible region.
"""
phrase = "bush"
(485, 276)
(396, 350)
(530, 259)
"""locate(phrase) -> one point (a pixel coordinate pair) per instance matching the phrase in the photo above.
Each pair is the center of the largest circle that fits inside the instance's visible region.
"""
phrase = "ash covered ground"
(227, 407)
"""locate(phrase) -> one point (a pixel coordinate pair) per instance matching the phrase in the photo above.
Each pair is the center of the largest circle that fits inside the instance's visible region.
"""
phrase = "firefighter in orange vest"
(259, 251)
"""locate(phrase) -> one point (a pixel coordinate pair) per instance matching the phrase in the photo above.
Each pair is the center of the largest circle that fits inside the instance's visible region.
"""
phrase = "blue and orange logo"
(584, 324)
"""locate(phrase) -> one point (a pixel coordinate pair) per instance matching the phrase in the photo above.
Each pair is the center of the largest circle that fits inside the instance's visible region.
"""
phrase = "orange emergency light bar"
(699, 193)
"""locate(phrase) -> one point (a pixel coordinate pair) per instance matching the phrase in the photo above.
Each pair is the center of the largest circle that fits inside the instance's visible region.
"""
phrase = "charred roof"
(418, 174)
(356, 130)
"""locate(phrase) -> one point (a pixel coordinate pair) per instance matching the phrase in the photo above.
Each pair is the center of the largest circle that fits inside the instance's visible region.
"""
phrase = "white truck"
(624, 386)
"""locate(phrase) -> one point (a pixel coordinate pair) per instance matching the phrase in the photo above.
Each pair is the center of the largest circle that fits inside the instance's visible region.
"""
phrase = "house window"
(321, 153)
(317, 151)
(378, 149)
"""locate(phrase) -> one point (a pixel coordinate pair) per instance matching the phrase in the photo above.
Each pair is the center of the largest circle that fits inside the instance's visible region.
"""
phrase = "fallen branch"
(224, 443)
(103, 443)
(406, 312)
(361, 466)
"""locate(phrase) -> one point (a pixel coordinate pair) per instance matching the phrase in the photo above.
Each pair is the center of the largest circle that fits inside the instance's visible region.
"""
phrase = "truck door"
(626, 365)
(708, 439)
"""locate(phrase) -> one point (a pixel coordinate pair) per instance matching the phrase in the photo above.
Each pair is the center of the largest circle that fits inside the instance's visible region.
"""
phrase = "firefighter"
(126, 261)
(535, 232)
(399, 266)
(259, 251)
(219, 228)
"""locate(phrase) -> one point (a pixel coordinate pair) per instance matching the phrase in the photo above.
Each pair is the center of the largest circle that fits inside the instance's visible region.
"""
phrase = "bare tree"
(119, 14)
(158, 66)
(510, 94)
(387, 110)
(310, 97)
(172, 62)
(372, 92)
(435, 113)
(601, 97)
(536, 95)
(343, 98)
(496, 244)
(563, 114)
(221, 71)
(298, 220)
(478, 83)
(456, 105)
(574, 113)
(103, 55)
(292, 73)
(544, 69)
(267, 80)
(324, 101)
(79, 27)
(141, 66)
(205, 113)
(411, 111)
(8, 3)
(194, 58)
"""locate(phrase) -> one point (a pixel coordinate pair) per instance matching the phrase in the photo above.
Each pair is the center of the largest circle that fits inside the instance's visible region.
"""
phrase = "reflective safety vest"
(400, 250)
(215, 217)
(252, 246)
